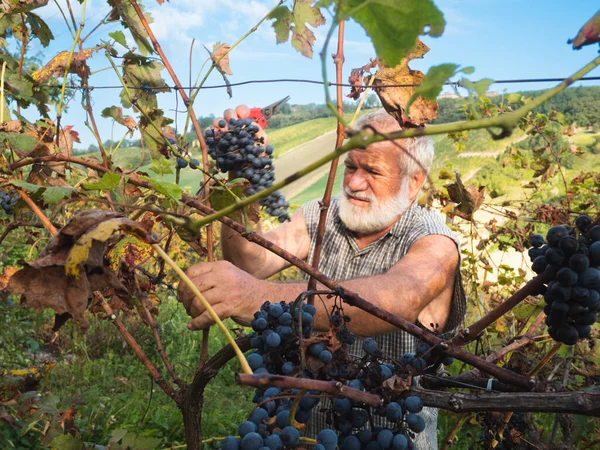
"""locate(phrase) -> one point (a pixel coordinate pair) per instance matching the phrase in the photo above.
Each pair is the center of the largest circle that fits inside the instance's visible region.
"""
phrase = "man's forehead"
(382, 151)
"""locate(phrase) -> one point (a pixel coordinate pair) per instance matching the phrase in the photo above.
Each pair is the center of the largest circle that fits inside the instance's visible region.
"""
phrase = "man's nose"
(358, 182)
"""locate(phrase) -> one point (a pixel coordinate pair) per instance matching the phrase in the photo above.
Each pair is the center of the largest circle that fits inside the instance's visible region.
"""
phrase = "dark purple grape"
(555, 234)
(583, 222)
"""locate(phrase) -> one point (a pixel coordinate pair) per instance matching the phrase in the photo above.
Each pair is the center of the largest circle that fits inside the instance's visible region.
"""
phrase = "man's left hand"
(229, 290)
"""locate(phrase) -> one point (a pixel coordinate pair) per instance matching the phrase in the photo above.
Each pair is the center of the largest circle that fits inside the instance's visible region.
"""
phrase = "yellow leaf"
(131, 250)
(80, 251)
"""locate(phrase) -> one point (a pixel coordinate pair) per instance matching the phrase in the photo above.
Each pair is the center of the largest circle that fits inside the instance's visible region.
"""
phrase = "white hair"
(417, 152)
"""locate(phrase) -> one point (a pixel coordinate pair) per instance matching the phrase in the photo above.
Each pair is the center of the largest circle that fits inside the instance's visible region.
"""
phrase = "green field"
(284, 139)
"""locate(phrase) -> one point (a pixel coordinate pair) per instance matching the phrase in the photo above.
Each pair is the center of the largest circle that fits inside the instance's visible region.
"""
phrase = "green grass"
(112, 390)
(284, 139)
(583, 138)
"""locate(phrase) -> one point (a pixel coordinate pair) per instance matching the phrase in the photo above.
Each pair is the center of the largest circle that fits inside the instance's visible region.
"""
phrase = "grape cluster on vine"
(569, 257)
(238, 149)
(8, 200)
(284, 344)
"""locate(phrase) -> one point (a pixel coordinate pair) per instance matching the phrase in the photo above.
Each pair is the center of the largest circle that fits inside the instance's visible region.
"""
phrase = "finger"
(205, 320)
(204, 285)
(242, 111)
(200, 268)
(261, 133)
(230, 114)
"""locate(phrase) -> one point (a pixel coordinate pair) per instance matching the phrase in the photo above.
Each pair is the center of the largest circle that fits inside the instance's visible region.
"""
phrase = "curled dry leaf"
(589, 33)
(20, 6)
(12, 126)
(57, 65)
(403, 79)
(220, 49)
(78, 250)
(468, 198)
(48, 287)
(356, 78)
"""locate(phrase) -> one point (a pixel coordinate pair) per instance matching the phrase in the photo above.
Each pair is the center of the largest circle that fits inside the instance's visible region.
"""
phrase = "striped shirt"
(342, 259)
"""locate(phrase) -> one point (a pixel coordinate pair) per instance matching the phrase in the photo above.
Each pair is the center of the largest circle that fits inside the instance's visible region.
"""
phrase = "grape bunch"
(238, 149)
(570, 260)
(8, 200)
(284, 344)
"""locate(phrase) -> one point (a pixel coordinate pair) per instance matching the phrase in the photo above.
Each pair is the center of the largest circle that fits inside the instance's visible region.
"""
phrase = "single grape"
(181, 163)
(230, 443)
(255, 361)
(400, 442)
(325, 356)
(289, 436)
(413, 404)
(369, 345)
(251, 441)
(393, 412)
(328, 439)
(246, 427)
(342, 405)
(385, 438)
(415, 422)
(536, 241)
(555, 234)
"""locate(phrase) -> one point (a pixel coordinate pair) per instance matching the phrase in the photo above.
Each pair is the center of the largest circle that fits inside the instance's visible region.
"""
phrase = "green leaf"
(432, 84)
(19, 141)
(513, 98)
(161, 166)
(119, 37)
(117, 435)
(67, 442)
(480, 87)
(50, 194)
(166, 188)
(39, 29)
(394, 25)
(221, 198)
(108, 182)
(296, 21)
(54, 194)
(123, 10)
(153, 137)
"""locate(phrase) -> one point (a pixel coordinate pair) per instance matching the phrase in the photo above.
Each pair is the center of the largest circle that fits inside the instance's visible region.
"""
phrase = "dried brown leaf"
(394, 99)
(220, 49)
(468, 198)
(48, 287)
(56, 66)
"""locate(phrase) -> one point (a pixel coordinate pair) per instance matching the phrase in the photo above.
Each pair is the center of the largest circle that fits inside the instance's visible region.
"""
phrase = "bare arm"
(419, 286)
(258, 261)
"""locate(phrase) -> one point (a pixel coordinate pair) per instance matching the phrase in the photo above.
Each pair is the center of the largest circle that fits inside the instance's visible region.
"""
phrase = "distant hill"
(579, 104)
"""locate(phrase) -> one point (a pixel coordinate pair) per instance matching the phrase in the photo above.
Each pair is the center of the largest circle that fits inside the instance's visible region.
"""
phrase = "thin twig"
(156, 376)
(38, 212)
(326, 201)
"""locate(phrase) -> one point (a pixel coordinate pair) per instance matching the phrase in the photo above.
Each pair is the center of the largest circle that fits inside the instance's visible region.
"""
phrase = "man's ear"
(415, 183)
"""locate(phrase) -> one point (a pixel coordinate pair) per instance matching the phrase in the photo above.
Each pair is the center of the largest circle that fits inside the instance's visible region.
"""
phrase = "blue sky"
(502, 39)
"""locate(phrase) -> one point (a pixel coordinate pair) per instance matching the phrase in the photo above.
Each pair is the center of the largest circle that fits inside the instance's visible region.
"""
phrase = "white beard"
(378, 216)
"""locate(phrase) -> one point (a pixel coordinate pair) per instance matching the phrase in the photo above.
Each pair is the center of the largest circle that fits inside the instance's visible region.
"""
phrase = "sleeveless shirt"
(342, 259)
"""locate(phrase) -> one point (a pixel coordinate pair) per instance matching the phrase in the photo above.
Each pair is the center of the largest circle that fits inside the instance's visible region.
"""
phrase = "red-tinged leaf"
(589, 33)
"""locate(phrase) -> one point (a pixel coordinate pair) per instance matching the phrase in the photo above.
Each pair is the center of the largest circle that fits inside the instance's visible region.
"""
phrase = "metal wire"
(331, 84)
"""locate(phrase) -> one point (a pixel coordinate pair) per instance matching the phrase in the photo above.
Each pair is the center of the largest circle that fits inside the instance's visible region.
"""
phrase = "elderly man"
(378, 242)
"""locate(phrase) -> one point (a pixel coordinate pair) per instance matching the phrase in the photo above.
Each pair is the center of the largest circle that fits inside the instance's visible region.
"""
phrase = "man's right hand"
(241, 112)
